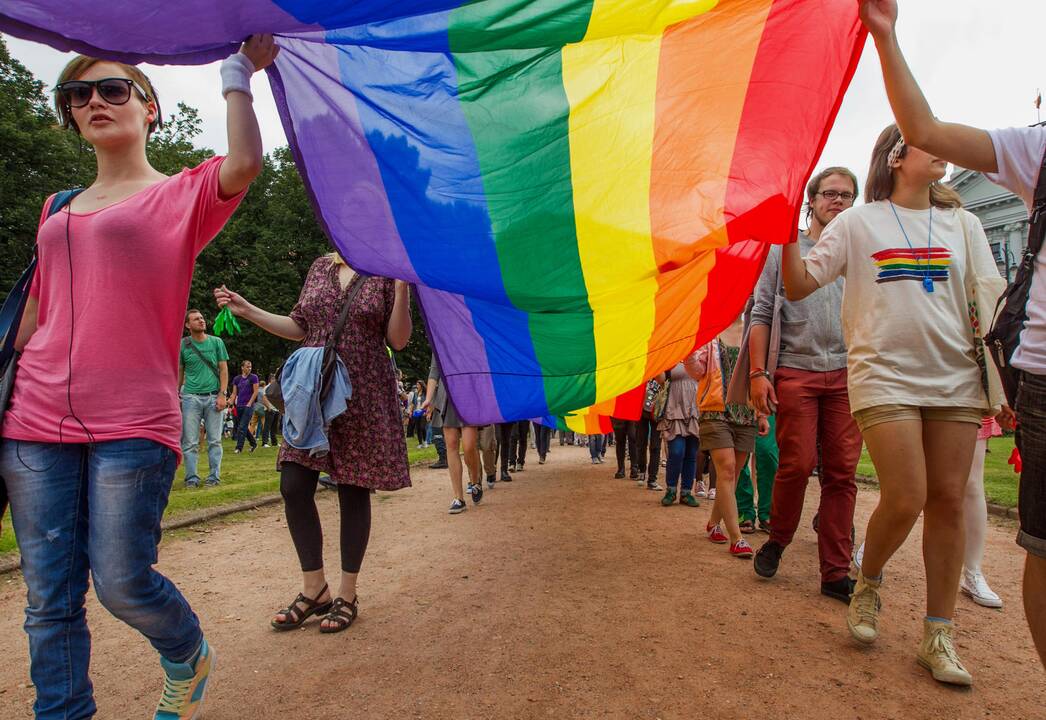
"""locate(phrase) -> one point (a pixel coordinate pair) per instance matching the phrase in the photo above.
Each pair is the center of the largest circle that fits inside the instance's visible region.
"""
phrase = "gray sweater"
(811, 328)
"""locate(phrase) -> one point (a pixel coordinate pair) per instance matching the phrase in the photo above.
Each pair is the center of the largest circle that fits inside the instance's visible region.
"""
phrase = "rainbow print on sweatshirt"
(913, 264)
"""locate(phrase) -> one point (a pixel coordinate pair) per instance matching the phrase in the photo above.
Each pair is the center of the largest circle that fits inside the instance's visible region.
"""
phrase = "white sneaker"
(699, 489)
(859, 557)
(937, 654)
(711, 494)
(976, 587)
(862, 617)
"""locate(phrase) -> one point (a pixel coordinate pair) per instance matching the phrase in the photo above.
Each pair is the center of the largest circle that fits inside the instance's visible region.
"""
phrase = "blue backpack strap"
(62, 199)
(14, 304)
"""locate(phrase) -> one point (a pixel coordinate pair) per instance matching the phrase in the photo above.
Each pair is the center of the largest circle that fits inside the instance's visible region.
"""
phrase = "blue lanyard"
(927, 278)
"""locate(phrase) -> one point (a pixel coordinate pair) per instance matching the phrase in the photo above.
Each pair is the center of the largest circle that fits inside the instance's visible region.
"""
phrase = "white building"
(1002, 213)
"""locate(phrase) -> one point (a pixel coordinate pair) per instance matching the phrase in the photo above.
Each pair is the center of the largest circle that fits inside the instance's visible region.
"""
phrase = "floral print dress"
(367, 445)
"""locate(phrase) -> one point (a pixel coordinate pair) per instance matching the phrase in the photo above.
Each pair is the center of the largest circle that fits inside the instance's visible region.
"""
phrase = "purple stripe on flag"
(157, 31)
(341, 174)
(466, 370)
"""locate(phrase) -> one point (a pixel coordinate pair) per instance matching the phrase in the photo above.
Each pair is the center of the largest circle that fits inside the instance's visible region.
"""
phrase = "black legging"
(648, 440)
(518, 449)
(505, 445)
(298, 487)
(625, 438)
(420, 426)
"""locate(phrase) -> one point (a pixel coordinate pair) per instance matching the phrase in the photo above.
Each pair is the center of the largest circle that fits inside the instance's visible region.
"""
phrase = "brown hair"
(190, 312)
(81, 64)
(814, 186)
(880, 174)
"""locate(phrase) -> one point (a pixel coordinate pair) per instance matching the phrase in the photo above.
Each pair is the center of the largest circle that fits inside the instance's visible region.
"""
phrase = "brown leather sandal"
(342, 614)
(300, 610)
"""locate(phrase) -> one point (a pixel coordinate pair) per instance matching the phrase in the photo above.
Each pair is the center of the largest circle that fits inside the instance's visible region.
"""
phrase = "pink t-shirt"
(132, 265)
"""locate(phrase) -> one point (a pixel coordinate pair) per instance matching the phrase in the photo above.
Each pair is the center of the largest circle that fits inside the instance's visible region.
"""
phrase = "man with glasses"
(798, 361)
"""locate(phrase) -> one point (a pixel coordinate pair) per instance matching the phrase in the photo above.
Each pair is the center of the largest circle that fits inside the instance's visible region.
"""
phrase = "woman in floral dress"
(367, 448)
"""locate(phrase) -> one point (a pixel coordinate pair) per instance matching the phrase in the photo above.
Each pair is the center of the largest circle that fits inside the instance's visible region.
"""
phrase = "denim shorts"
(1031, 441)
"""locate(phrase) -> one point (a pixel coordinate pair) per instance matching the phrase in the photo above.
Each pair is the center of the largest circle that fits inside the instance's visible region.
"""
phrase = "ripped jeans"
(80, 509)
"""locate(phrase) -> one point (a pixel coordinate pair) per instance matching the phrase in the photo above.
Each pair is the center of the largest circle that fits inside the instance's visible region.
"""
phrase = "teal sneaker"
(669, 498)
(689, 499)
(184, 686)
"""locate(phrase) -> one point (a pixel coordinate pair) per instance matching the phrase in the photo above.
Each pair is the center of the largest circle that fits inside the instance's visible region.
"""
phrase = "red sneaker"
(741, 549)
(716, 535)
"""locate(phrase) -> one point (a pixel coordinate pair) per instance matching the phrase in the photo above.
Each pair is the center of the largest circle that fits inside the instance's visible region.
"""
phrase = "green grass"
(244, 476)
(1000, 482)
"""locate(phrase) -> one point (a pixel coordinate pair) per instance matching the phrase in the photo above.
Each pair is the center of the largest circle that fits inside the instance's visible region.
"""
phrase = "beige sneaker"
(937, 654)
(862, 617)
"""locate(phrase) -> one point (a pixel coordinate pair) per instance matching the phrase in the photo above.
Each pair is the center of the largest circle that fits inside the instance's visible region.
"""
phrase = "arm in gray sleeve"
(434, 371)
(763, 310)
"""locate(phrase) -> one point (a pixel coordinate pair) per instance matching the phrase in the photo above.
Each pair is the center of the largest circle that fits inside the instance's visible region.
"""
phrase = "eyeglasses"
(831, 195)
(114, 90)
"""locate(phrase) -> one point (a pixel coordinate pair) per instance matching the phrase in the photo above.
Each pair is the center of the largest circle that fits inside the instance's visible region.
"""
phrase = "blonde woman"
(914, 385)
(89, 473)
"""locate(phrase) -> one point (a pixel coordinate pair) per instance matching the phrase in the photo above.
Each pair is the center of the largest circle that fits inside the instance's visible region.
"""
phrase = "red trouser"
(814, 406)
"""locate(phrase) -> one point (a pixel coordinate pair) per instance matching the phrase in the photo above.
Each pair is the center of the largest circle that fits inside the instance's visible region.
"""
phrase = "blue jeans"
(682, 459)
(91, 508)
(595, 446)
(194, 409)
(243, 426)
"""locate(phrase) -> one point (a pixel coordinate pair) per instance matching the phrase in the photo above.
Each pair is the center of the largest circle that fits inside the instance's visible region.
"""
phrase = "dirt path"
(566, 594)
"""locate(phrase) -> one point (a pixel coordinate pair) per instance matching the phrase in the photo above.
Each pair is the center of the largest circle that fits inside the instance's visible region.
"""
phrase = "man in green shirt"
(203, 376)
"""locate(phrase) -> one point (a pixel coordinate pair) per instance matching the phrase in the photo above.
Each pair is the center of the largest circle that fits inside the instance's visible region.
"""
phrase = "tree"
(264, 251)
(37, 158)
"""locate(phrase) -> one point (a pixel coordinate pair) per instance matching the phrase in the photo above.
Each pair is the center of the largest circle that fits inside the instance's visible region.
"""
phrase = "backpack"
(1005, 336)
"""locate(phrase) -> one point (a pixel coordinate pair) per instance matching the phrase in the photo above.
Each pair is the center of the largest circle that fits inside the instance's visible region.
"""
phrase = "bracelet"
(236, 74)
(759, 373)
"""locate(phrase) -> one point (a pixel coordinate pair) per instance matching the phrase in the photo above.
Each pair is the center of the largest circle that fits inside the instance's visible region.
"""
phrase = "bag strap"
(351, 292)
(187, 342)
(14, 305)
(61, 199)
(1038, 214)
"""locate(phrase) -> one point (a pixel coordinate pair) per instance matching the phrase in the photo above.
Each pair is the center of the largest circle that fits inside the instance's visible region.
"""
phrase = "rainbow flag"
(582, 190)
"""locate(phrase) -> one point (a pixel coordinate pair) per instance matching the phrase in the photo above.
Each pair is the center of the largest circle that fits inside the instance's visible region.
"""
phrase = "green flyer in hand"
(226, 323)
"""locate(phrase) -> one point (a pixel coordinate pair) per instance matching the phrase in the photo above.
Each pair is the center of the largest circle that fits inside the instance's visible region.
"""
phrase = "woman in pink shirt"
(88, 471)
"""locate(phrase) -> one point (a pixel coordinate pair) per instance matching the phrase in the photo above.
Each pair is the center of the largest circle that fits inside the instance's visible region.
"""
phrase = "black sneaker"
(512, 467)
(768, 558)
(619, 475)
(840, 589)
(192, 484)
(633, 474)
(519, 467)
(490, 481)
(476, 491)
(458, 506)
(505, 477)
(439, 465)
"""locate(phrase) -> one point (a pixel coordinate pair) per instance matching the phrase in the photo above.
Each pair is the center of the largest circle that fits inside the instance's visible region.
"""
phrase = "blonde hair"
(81, 64)
(880, 173)
(336, 258)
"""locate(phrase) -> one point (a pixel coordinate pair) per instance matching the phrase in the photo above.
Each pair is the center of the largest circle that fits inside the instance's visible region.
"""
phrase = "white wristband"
(236, 74)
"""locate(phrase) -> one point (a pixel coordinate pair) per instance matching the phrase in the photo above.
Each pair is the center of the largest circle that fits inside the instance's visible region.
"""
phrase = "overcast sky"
(979, 63)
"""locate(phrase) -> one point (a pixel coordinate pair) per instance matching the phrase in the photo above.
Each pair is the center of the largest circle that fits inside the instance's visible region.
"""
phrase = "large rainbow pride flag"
(582, 190)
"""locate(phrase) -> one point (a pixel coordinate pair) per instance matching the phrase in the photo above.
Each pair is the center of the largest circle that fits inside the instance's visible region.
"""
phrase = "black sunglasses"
(114, 90)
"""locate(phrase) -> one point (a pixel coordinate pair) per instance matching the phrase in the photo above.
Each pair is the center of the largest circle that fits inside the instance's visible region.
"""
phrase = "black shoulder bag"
(1005, 334)
(274, 390)
(11, 321)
